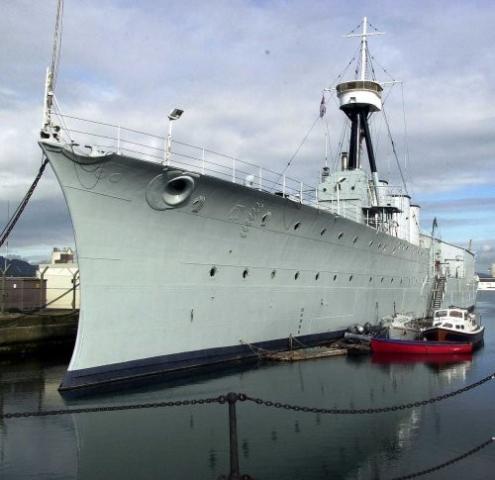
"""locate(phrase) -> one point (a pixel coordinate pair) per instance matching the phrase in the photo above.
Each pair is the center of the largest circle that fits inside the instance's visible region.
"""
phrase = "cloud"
(210, 58)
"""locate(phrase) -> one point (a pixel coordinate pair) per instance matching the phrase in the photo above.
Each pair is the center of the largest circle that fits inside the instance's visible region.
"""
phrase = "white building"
(60, 275)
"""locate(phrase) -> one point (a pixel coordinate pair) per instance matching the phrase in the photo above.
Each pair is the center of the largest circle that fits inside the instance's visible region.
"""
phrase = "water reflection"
(273, 443)
(38, 447)
(193, 441)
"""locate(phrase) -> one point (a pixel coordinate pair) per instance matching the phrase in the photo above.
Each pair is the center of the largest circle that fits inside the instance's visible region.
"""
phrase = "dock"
(22, 333)
(305, 354)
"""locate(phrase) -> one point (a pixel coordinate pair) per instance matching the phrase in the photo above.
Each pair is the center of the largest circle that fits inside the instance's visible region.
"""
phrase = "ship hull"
(226, 269)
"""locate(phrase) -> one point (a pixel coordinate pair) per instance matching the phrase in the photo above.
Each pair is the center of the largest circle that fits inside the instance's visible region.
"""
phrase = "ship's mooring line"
(18, 212)
(257, 350)
(449, 462)
(242, 397)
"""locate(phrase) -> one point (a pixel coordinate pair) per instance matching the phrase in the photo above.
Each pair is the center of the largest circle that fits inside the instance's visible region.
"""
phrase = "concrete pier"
(21, 334)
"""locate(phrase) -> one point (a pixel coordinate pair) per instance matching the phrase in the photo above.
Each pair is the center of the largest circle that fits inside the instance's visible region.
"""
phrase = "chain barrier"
(474, 450)
(232, 398)
(115, 408)
(242, 397)
(344, 411)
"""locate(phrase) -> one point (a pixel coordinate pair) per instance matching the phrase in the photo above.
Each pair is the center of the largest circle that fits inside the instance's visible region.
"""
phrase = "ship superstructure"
(196, 260)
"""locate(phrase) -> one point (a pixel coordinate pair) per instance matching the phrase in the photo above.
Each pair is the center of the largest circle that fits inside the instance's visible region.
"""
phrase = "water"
(192, 442)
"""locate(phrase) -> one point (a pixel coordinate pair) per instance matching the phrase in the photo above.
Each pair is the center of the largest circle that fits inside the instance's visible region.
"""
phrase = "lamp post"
(175, 114)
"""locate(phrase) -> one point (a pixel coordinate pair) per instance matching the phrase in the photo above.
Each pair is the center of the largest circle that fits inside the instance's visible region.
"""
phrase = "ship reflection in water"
(193, 441)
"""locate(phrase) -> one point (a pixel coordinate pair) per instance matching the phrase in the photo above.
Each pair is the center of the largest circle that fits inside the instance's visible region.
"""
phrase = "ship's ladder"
(437, 293)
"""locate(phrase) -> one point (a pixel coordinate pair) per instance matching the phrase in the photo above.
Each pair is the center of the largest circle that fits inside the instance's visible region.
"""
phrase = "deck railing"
(126, 141)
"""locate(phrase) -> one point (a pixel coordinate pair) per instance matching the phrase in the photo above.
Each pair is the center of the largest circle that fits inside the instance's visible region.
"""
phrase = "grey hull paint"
(177, 365)
(228, 266)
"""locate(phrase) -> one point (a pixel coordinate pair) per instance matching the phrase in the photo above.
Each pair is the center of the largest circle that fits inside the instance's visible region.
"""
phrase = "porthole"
(324, 189)
(245, 273)
(213, 271)
(323, 231)
(334, 278)
(340, 235)
(274, 272)
(297, 225)
(351, 277)
(296, 276)
(317, 276)
(355, 239)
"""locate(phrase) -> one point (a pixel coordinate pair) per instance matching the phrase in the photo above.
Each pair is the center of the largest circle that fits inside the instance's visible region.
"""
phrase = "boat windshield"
(455, 313)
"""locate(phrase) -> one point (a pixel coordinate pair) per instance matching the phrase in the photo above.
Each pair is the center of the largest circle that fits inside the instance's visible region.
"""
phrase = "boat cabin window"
(447, 325)
(455, 313)
(441, 313)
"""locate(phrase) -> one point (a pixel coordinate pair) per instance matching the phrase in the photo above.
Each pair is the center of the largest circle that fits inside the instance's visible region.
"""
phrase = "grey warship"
(190, 259)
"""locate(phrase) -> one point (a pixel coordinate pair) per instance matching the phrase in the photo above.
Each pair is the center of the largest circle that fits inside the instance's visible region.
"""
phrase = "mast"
(364, 48)
(47, 128)
(358, 100)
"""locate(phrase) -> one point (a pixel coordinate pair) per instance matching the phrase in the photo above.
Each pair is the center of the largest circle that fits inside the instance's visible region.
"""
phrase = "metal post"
(203, 161)
(234, 453)
(233, 170)
(42, 278)
(118, 140)
(301, 192)
(283, 186)
(261, 178)
(74, 279)
(3, 297)
(168, 145)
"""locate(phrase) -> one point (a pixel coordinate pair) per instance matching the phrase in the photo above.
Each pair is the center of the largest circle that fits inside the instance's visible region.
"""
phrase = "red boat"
(384, 345)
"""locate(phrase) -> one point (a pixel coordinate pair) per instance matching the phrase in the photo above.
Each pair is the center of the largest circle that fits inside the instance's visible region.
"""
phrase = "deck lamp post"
(175, 114)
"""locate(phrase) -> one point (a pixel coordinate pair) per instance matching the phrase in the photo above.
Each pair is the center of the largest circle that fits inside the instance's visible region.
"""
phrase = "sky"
(249, 76)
